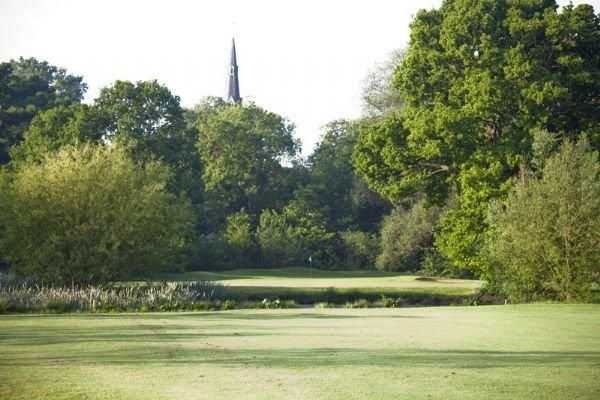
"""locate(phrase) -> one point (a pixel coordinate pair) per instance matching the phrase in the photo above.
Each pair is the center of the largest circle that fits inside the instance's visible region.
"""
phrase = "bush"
(293, 237)
(435, 264)
(545, 237)
(405, 235)
(360, 249)
(208, 252)
(240, 240)
(91, 214)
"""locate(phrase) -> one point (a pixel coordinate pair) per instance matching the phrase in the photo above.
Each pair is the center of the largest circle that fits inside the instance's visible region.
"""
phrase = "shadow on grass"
(217, 325)
(143, 341)
(309, 358)
(213, 315)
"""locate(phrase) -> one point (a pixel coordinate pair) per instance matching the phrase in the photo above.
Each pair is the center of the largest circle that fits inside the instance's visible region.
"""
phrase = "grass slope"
(495, 352)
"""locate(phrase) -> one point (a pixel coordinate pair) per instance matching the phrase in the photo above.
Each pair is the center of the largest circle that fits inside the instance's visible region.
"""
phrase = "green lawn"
(314, 278)
(495, 352)
(303, 284)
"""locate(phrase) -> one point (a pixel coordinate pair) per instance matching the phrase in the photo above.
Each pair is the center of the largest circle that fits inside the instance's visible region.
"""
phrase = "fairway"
(314, 278)
(494, 352)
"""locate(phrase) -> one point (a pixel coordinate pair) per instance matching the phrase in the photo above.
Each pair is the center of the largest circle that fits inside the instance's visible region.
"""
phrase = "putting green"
(494, 352)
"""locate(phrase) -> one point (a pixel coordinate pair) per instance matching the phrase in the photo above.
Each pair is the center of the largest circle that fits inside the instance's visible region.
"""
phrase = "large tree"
(28, 86)
(147, 117)
(57, 127)
(479, 77)
(243, 149)
(144, 116)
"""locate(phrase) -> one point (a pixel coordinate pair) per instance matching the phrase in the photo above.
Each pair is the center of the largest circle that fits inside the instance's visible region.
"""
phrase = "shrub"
(293, 236)
(208, 252)
(360, 249)
(90, 214)
(240, 239)
(435, 264)
(545, 237)
(405, 235)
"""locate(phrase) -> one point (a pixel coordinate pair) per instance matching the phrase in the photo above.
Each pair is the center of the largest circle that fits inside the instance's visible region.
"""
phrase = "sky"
(305, 60)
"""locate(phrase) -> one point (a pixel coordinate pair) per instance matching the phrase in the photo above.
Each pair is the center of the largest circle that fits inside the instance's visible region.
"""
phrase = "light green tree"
(91, 214)
(545, 237)
(239, 236)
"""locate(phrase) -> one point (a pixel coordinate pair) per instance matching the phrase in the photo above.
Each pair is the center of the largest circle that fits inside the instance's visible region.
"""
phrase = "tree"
(360, 249)
(91, 214)
(328, 190)
(28, 86)
(145, 117)
(292, 236)
(545, 237)
(242, 149)
(58, 127)
(333, 190)
(239, 237)
(406, 236)
(379, 95)
(478, 78)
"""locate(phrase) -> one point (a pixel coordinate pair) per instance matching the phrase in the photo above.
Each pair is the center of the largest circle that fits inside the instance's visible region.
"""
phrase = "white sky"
(305, 60)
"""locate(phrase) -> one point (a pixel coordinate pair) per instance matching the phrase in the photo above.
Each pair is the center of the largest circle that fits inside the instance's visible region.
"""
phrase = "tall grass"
(168, 296)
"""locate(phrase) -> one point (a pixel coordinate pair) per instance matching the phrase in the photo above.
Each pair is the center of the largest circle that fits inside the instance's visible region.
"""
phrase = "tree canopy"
(28, 86)
(243, 149)
(478, 78)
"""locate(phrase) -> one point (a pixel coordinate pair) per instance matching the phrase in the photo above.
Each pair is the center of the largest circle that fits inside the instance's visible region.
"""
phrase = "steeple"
(233, 91)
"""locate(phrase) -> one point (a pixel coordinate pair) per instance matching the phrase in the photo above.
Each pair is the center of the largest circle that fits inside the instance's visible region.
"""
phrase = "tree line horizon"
(476, 156)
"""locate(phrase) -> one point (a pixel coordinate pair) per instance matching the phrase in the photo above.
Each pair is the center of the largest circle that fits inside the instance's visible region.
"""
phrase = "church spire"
(233, 91)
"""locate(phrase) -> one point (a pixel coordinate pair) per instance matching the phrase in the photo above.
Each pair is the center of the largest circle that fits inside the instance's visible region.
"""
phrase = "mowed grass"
(286, 280)
(548, 351)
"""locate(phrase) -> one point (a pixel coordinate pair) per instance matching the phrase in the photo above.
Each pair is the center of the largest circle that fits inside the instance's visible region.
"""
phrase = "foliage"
(145, 114)
(28, 86)
(147, 118)
(294, 237)
(91, 214)
(333, 189)
(208, 252)
(57, 127)
(239, 237)
(405, 236)
(242, 148)
(477, 80)
(360, 249)
(331, 176)
(546, 235)
(434, 264)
